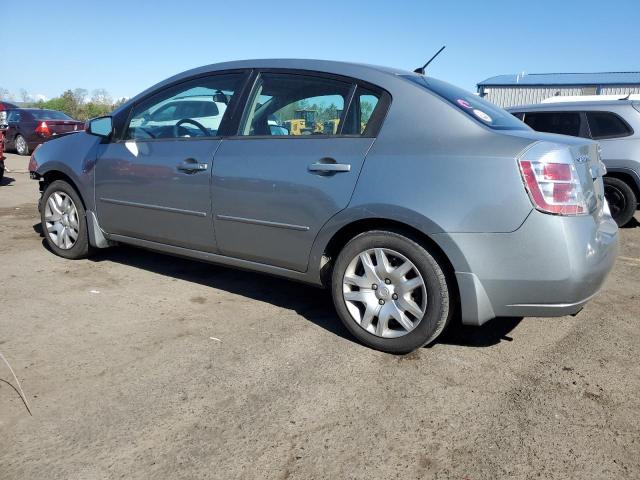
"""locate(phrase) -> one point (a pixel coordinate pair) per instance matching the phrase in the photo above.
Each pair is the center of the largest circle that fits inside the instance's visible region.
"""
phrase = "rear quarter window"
(607, 125)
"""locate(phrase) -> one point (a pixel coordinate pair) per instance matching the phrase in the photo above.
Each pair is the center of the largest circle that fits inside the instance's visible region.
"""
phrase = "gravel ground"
(139, 365)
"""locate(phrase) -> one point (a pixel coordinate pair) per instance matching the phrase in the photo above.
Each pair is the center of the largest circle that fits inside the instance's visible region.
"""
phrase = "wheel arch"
(627, 177)
(52, 175)
(350, 230)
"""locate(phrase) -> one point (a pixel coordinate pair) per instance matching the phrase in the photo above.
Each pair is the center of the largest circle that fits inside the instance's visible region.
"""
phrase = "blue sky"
(126, 46)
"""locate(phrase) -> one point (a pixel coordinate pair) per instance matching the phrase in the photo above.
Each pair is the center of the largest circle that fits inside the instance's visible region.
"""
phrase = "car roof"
(589, 105)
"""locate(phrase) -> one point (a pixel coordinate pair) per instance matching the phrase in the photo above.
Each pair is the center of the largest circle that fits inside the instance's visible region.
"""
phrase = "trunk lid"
(57, 127)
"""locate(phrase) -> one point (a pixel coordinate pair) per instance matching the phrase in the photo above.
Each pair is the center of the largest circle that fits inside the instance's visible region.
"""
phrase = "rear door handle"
(190, 165)
(329, 167)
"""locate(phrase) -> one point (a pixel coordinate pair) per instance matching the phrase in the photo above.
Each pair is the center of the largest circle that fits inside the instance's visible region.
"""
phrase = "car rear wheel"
(64, 224)
(621, 199)
(21, 145)
(390, 292)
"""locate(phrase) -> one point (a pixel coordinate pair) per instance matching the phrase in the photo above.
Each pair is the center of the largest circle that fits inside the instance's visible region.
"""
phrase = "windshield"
(476, 107)
(49, 115)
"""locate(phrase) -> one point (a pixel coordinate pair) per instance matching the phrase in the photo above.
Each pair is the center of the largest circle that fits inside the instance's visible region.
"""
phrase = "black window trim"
(231, 111)
(378, 116)
(629, 128)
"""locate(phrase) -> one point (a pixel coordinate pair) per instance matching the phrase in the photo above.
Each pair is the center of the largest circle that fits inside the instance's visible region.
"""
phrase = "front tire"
(621, 198)
(390, 292)
(22, 148)
(63, 220)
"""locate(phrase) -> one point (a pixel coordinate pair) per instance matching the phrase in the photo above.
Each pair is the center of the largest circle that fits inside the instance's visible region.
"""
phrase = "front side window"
(295, 105)
(564, 123)
(191, 109)
(607, 125)
(13, 116)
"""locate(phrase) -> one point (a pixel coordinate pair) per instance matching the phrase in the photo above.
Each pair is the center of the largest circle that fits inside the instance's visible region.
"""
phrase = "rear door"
(293, 165)
(154, 182)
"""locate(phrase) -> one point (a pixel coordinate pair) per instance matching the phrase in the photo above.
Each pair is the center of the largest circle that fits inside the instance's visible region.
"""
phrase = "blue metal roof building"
(510, 90)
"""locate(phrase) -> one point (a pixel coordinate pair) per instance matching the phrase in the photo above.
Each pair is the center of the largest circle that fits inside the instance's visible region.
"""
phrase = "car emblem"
(582, 158)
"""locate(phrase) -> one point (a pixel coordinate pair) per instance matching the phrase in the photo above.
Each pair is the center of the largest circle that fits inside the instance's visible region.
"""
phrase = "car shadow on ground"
(6, 181)
(632, 223)
(312, 303)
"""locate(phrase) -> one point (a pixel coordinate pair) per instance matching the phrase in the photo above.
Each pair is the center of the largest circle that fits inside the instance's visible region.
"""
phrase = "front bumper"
(551, 266)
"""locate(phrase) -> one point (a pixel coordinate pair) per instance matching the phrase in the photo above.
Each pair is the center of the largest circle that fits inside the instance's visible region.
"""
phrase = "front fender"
(74, 156)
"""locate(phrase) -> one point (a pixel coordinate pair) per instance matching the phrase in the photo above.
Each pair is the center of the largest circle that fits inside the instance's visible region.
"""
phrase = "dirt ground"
(139, 365)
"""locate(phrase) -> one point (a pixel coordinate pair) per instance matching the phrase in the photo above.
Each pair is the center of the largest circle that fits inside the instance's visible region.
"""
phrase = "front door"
(154, 182)
(292, 167)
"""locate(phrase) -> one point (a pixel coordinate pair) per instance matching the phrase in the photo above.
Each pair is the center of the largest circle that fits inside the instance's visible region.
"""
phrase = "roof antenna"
(422, 69)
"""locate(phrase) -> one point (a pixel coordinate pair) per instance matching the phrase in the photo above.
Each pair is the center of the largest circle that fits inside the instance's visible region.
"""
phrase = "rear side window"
(564, 123)
(360, 119)
(285, 104)
(14, 116)
(607, 125)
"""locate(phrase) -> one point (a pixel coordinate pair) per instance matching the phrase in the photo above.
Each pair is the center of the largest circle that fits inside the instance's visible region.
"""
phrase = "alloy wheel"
(384, 292)
(61, 220)
(21, 145)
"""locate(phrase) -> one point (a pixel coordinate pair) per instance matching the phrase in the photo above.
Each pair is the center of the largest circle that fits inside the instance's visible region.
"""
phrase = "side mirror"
(101, 127)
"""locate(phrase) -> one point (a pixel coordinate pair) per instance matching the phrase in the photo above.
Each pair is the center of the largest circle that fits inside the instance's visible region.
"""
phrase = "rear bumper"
(551, 266)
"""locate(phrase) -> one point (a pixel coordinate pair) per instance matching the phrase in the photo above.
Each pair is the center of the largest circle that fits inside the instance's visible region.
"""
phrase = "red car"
(29, 127)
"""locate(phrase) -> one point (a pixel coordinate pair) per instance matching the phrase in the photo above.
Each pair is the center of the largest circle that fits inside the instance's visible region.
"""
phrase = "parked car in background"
(29, 127)
(615, 124)
(3, 126)
(4, 106)
(421, 200)
(1, 152)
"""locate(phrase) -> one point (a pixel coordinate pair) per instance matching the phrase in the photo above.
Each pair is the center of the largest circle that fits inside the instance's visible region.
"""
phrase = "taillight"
(43, 129)
(551, 179)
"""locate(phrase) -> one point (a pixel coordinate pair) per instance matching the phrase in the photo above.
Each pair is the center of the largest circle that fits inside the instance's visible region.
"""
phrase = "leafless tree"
(80, 95)
(101, 96)
(24, 95)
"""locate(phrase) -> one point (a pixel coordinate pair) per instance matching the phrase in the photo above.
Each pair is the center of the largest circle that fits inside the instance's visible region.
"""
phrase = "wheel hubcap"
(384, 292)
(61, 220)
(20, 145)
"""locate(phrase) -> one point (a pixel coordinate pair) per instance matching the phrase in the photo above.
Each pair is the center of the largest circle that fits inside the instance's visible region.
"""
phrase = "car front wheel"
(390, 292)
(64, 224)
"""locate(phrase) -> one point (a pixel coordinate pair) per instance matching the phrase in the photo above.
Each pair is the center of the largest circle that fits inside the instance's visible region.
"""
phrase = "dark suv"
(615, 124)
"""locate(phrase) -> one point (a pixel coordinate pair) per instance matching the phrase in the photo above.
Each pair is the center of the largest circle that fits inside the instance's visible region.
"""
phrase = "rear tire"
(22, 148)
(63, 220)
(429, 305)
(621, 198)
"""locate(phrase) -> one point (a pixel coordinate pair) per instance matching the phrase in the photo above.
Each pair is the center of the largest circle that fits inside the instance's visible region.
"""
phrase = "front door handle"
(190, 166)
(329, 167)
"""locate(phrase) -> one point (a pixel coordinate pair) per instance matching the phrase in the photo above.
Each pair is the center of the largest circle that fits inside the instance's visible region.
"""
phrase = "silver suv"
(615, 124)
(410, 199)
